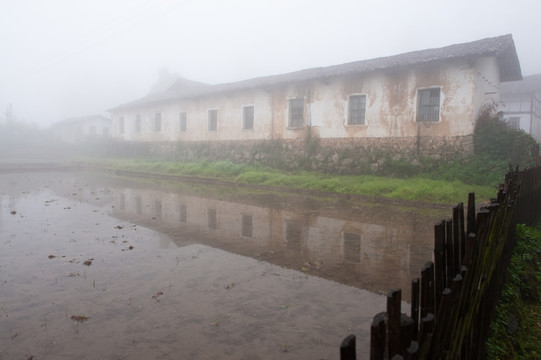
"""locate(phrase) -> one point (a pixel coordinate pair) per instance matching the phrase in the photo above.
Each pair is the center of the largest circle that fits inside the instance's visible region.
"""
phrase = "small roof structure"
(528, 85)
(502, 47)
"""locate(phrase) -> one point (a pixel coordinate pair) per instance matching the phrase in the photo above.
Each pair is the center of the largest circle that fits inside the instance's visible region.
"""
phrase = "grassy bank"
(422, 187)
(517, 327)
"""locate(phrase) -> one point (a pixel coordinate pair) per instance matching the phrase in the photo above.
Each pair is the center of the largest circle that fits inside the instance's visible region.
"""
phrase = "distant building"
(521, 104)
(423, 100)
(81, 129)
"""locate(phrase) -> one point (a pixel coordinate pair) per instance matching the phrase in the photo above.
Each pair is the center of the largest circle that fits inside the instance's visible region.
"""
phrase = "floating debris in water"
(157, 295)
(79, 318)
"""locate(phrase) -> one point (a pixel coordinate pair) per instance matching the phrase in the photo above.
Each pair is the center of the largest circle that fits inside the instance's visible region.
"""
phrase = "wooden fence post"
(414, 314)
(394, 297)
(347, 348)
(378, 337)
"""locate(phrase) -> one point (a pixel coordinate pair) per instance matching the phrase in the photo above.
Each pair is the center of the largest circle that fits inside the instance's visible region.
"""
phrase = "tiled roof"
(529, 84)
(502, 47)
(81, 119)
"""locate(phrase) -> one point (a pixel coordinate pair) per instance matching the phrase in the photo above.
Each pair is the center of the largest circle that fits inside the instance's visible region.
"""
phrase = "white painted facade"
(464, 85)
(77, 130)
(521, 105)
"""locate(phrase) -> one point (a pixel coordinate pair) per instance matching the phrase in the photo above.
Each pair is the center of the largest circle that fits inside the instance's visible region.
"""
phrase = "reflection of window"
(182, 214)
(158, 209)
(428, 105)
(122, 202)
(247, 227)
(213, 120)
(138, 205)
(357, 109)
(296, 112)
(211, 219)
(352, 247)
(182, 121)
(293, 236)
(248, 117)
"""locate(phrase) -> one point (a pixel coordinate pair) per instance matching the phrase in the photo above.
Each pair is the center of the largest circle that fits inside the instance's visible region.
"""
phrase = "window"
(121, 125)
(213, 120)
(92, 130)
(296, 113)
(356, 109)
(248, 117)
(182, 121)
(106, 131)
(157, 126)
(137, 123)
(428, 105)
(247, 226)
(514, 122)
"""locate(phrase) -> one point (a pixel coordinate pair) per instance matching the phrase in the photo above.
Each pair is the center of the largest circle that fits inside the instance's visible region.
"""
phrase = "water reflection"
(367, 245)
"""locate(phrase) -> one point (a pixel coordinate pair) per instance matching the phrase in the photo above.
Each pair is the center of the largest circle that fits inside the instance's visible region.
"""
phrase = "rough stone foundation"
(346, 156)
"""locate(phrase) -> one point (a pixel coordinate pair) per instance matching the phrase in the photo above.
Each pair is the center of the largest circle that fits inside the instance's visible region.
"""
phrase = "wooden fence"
(455, 297)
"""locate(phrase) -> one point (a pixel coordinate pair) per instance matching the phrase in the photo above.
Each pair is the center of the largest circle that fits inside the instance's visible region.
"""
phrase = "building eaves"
(502, 47)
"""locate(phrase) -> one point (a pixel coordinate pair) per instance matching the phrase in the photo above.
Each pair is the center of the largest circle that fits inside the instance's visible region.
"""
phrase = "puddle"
(101, 267)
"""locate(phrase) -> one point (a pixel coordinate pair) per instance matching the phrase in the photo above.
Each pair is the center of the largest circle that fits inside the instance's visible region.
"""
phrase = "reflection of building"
(521, 101)
(77, 130)
(362, 248)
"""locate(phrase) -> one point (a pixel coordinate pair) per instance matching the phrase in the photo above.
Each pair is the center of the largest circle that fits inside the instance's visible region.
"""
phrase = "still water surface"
(100, 267)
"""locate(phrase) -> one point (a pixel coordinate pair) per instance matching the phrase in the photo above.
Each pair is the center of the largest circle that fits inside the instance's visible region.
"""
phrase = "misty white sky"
(66, 58)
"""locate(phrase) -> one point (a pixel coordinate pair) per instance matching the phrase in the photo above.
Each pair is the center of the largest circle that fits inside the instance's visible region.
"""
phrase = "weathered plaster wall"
(390, 112)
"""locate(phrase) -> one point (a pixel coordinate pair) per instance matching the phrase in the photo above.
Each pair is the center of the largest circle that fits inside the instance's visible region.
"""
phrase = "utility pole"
(9, 118)
(9, 123)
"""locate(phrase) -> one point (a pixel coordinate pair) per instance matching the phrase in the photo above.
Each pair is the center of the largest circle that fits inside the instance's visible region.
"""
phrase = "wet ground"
(100, 267)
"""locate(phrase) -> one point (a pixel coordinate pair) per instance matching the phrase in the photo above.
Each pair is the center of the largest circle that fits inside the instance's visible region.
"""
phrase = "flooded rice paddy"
(101, 267)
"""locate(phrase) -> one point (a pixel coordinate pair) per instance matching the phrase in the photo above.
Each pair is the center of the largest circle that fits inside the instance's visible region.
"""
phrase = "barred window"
(182, 121)
(357, 109)
(213, 120)
(296, 113)
(248, 117)
(428, 105)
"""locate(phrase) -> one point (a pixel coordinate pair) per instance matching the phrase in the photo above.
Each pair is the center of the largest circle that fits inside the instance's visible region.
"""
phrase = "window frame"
(244, 118)
(295, 123)
(137, 123)
(157, 122)
(350, 109)
(422, 109)
(212, 120)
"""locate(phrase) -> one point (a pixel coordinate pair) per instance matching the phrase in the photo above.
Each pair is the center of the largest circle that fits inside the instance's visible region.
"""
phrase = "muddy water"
(100, 267)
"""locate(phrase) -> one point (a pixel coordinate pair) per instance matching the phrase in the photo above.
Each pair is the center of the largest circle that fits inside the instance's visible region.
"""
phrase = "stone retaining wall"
(346, 156)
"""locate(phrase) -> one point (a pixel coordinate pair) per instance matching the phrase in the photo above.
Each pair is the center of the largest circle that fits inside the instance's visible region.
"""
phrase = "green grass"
(423, 187)
(520, 300)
